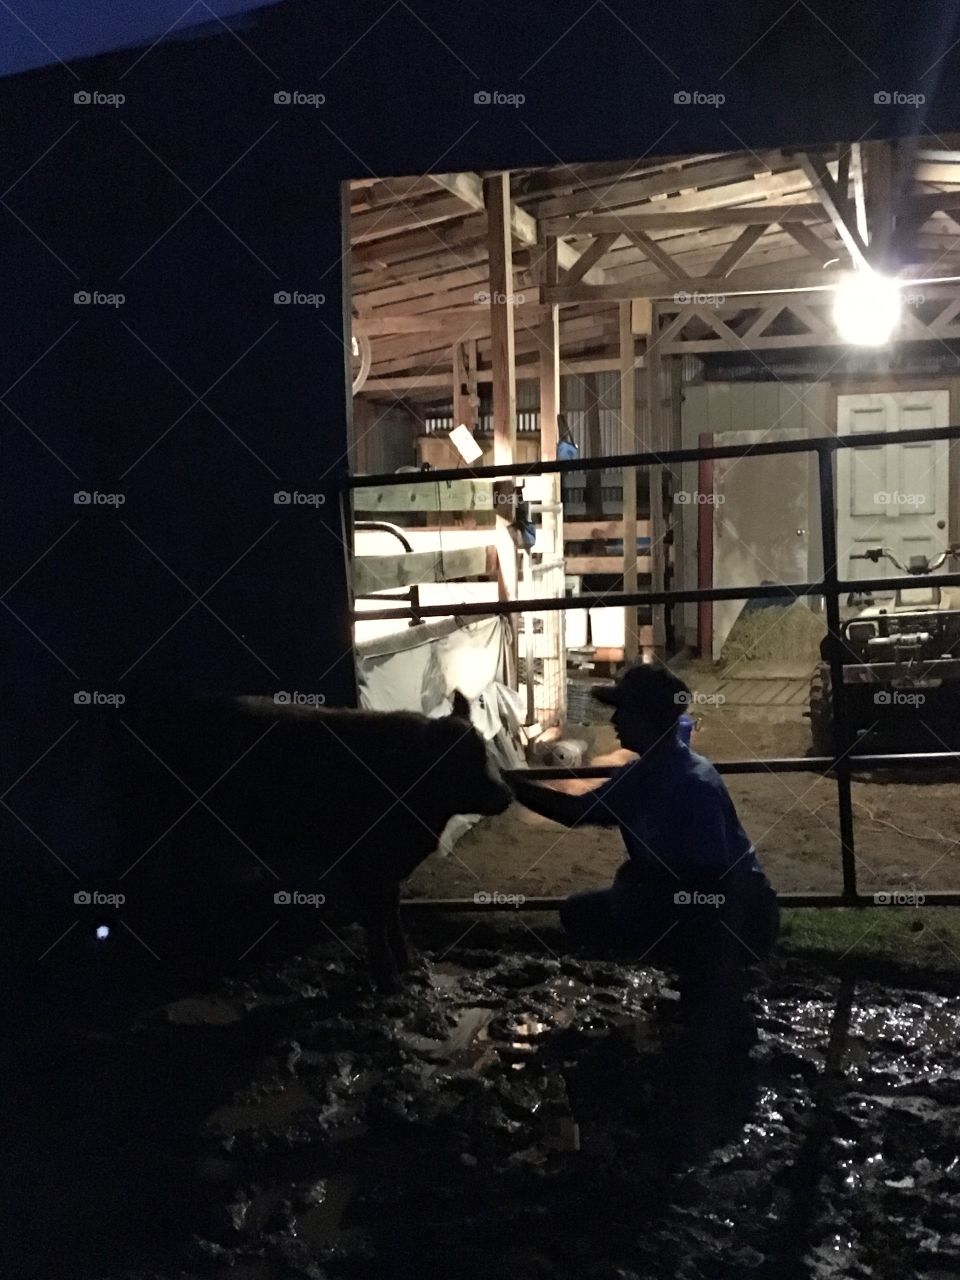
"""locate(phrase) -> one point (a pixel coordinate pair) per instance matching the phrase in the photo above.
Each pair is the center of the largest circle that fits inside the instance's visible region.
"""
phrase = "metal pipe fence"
(830, 586)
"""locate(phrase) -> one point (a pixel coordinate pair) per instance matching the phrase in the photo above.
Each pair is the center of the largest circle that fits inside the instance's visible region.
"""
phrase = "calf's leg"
(395, 935)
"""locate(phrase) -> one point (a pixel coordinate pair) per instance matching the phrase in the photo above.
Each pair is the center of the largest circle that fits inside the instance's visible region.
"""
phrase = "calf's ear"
(461, 707)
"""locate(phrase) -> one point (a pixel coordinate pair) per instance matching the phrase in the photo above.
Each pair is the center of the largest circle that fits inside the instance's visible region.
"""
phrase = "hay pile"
(792, 633)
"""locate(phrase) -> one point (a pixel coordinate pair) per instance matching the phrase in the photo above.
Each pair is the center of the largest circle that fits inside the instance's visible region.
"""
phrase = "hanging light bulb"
(867, 308)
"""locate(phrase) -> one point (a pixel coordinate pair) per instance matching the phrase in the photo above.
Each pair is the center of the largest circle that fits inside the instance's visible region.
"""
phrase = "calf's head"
(464, 780)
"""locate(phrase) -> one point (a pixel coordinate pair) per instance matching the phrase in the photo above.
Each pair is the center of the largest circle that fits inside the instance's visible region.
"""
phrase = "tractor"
(901, 665)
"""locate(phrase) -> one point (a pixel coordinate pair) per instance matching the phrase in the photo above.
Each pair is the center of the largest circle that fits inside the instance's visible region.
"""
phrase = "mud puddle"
(510, 1114)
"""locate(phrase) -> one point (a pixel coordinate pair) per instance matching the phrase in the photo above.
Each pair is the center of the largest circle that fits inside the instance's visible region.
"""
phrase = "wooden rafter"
(837, 206)
(468, 188)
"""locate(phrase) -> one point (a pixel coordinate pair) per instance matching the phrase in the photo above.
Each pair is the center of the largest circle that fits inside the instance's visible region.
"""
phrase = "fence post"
(842, 742)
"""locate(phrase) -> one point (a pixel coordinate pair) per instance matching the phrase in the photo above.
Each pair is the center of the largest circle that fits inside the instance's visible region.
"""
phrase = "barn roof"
(660, 227)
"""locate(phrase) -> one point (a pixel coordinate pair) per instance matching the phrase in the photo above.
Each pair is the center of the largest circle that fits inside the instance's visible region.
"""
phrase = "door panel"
(891, 495)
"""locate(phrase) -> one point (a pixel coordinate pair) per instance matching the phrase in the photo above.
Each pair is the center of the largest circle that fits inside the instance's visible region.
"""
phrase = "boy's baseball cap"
(649, 690)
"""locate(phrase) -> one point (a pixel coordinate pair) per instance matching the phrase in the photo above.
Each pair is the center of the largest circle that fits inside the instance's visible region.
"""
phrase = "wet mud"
(511, 1113)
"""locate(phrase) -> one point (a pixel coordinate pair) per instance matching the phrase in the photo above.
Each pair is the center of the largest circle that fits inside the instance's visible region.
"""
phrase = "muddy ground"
(907, 832)
(516, 1111)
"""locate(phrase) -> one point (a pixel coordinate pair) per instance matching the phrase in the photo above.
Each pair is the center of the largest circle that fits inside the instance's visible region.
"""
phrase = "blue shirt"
(674, 814)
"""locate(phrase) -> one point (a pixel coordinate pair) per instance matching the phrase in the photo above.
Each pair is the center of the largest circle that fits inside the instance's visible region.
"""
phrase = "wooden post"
(555, 659)
(656, 436)
(628, 444)
(496, 194)
(466, 402)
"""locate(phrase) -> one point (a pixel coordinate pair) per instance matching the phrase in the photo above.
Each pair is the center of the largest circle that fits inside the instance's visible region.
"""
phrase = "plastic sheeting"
(420, 668)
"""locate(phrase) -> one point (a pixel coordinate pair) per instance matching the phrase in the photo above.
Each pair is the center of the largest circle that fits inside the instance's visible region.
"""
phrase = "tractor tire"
(820, 710)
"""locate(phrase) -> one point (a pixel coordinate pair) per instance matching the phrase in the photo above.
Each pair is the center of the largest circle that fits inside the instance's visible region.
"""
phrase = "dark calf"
(296, 804)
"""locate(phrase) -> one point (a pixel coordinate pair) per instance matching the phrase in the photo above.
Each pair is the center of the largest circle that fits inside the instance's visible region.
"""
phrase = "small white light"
(867, 308)
(103, 932)
(464, 443)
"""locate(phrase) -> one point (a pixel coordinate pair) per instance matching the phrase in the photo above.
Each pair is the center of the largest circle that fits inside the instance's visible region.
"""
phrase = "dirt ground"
(907, 833)
(508, 1113)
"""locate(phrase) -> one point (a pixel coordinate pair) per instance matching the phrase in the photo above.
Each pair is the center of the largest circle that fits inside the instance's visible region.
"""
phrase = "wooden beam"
(469, 188)
(628, 444)
(600, 530)
(837, 206)
(737, 251)
(409, 568)
(859, 191)
(658, 219)
(450, 495)
(618, 566)
(590, 256)
(654, 252)
(496, 191)
(810, 242)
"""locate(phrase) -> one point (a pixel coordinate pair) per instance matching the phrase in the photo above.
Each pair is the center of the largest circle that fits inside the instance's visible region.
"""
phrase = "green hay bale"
(792, 633)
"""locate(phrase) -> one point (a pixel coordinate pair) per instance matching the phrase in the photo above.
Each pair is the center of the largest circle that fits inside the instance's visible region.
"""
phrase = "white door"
(892, 495)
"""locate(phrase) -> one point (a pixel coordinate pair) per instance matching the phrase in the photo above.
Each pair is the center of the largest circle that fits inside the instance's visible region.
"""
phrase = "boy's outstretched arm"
(558, 806)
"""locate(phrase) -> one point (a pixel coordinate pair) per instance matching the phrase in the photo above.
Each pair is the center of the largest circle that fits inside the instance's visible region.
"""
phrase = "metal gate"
(831, 587)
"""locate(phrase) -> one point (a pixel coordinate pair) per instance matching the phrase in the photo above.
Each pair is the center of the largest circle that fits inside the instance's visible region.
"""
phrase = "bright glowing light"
(867, 309)
(103, 932)
(462, 440)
